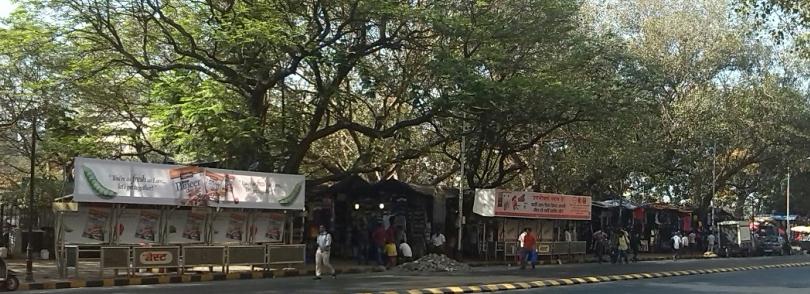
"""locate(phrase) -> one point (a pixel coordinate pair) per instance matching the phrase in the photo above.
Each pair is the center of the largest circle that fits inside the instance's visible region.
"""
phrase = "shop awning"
(615, 203)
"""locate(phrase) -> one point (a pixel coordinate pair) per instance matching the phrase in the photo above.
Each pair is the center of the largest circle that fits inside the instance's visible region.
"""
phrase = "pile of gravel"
(434, 263)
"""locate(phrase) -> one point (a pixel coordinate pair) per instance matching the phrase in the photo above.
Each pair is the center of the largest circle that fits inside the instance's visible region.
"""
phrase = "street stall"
(657, 222)
(140, 215)
(613, 214)
(354, 209)
(555, 218)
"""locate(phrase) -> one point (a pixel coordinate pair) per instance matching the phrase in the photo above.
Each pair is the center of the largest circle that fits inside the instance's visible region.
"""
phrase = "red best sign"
(156, 257)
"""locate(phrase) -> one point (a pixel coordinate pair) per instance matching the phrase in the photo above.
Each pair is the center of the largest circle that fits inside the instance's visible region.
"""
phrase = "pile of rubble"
(434, 263)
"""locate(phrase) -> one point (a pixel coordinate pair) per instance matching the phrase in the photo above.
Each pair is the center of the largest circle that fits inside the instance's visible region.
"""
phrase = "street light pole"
(461, 183)
(715, 230)
(29, 251)
(787, 217)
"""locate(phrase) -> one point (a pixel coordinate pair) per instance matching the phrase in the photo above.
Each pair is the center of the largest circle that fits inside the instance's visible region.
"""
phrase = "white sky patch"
(6, 7)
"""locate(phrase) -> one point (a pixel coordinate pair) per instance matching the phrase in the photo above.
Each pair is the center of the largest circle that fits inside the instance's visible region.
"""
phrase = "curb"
(178, 279)
(206, 277)
(585, 280)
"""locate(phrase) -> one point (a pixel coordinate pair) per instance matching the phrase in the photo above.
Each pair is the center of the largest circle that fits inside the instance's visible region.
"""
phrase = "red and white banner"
(532, 205)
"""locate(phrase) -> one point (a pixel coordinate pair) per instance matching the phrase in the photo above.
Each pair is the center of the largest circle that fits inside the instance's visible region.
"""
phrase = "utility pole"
(29, 254)
(787, 217)
(461, 182)
(714, 191)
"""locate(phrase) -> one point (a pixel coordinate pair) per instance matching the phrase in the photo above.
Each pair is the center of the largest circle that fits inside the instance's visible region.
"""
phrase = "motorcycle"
(8, 278)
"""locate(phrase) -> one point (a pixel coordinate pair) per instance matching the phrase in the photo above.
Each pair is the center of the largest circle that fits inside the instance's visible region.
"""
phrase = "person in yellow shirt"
(391, 252)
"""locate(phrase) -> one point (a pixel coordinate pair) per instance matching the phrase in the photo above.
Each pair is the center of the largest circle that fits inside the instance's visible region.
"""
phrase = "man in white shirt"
(405, 252)
(676, 246)
(521, 237)
(322, 254)
(685, 243)
(437, 240)
(519, 254)
(693, 240)
(710, 240)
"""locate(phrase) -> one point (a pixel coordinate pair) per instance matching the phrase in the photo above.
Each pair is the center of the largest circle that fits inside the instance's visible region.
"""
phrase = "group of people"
(689, 242)
(383, 249)
(527, 243)
(616, 243)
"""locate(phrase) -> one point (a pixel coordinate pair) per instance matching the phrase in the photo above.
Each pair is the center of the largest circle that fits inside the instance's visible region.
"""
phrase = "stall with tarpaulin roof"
(353, 208)
(658, 222)
(557, 220)
(133, 215)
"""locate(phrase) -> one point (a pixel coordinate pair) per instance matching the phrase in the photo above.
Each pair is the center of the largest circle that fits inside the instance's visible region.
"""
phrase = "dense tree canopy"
(648, 99)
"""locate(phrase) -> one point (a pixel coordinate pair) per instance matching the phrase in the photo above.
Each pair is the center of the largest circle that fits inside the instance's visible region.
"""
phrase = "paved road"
(375, 282)
(771, 281)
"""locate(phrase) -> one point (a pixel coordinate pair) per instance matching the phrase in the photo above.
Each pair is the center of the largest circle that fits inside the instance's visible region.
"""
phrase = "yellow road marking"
(509, 286)
(537, 284)
(567, 281)
(523, 285)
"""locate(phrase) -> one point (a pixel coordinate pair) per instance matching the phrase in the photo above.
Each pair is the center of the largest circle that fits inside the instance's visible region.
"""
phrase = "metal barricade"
(559, 248)
(578, 247)
(115, 258)
(286, 254)
(510, 249)
(204, 256)
(246, 255)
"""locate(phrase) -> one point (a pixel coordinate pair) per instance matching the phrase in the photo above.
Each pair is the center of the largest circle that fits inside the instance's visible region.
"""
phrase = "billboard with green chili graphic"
(159, 184)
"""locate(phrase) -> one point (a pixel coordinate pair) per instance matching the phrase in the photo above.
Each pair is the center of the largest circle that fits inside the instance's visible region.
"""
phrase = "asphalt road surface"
(375, 282)
(770, 281)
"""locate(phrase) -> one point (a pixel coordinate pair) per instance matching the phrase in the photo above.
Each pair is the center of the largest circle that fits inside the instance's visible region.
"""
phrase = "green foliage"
(604, 98)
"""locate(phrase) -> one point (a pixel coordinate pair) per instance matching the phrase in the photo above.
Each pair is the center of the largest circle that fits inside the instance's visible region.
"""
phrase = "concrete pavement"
(386, 281)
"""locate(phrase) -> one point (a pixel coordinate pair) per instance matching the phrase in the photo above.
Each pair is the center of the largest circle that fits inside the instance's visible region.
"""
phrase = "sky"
(5, 7)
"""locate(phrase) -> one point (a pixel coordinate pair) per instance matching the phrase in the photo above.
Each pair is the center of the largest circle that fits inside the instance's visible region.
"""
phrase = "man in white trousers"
(322, 254)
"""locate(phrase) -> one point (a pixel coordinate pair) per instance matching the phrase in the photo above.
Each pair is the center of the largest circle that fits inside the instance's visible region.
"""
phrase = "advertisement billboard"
(159, 184)
(532, 205)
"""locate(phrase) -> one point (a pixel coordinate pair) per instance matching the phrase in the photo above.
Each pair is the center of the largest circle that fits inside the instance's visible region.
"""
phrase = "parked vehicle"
(772, 245)
(736, 239)
(8, 278)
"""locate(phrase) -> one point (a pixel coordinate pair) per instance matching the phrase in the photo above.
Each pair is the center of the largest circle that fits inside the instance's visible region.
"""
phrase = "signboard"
(229, 227)
(155, 257)
(268, 227)
(138, 226)
(532, 205)
(88, 225)
(159, 184)
(184, 226)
